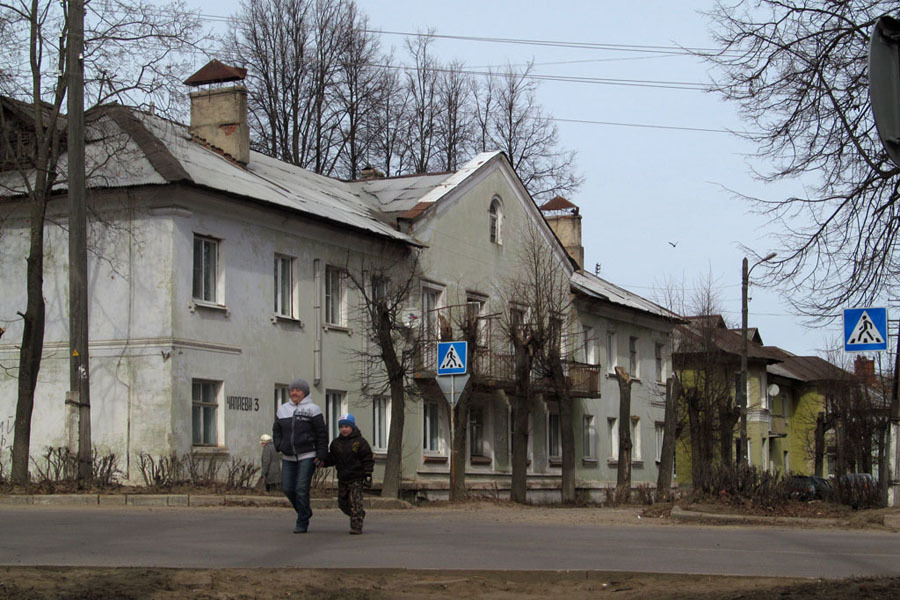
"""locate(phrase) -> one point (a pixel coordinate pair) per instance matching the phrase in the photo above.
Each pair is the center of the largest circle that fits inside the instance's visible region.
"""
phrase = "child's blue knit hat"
(347, 419)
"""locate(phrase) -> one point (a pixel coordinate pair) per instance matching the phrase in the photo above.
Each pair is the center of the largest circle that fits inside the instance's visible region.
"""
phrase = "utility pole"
(79, 358)
(742, 399)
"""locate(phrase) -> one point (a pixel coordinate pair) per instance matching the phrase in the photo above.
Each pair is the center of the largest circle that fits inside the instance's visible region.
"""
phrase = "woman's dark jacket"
(352, 456)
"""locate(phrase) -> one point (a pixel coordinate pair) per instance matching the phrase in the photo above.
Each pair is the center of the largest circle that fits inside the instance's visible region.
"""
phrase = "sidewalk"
(184, 500)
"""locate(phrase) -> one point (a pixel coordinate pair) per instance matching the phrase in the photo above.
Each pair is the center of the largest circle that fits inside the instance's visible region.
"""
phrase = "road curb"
(681, 514)
(186, 500)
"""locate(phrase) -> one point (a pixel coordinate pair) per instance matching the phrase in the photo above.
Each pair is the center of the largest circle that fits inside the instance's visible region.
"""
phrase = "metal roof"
(600, 289)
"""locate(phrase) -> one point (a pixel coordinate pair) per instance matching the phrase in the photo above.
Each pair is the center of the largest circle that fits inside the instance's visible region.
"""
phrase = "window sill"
(380, 456)
(480, 460)
(614, 462)
(194, 304)
(286, 320)
(434, 459)
(337, 328)
(589, 462)
(555, 462)
(209, 450)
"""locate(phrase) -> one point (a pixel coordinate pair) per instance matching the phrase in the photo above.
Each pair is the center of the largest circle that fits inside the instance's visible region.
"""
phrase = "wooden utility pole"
(79, 359)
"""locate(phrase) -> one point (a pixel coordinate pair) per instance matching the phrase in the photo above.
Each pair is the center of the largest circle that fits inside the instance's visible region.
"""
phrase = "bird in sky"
(673, 244)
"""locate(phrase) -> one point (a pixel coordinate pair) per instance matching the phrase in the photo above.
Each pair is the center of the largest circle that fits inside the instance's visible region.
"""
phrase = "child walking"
(351, 455)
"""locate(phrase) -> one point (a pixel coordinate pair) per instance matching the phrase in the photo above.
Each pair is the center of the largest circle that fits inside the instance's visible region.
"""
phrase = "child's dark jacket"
(352, 456)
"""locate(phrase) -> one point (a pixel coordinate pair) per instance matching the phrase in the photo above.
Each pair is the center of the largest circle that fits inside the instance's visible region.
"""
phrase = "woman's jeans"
(296, 478)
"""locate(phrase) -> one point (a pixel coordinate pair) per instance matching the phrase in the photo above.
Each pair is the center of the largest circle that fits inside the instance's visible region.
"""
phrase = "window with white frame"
(659, 356)
(613, 431)
(633, 358)
(334, 296)
(206, 269)
(590, 346)
(431, 303)
(660, 435)
(431, 427)
(589, 440)
(284, 286)
(554, 443)
(612, 351)
(477, 445)
(474, 308)
(381, 409)
(495, 213)
(635, 439)
(282, 396)
(334, 408)
(205, 412)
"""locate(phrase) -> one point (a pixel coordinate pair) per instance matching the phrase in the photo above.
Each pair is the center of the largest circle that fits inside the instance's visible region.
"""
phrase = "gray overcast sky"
(645, 184)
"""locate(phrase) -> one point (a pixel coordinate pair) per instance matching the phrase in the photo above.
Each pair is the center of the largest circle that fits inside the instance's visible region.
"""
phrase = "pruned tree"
(131, 55)
(623, 467)
(674, 393)
(389, 357)
(509, 118)
(798, 71)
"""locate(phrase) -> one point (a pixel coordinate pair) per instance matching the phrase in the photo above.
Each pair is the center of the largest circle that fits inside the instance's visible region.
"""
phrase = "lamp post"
(745, 282)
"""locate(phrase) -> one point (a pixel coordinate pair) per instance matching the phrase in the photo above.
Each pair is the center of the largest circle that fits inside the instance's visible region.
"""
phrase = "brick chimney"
(864, 369)
(219, 114)
(564, 220)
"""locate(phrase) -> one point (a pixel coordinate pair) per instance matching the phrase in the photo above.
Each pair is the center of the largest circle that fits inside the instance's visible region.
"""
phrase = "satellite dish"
(884, 83)
(773, 389)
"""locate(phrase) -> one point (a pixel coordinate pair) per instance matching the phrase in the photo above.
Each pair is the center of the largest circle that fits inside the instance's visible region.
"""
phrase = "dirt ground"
(43, 583)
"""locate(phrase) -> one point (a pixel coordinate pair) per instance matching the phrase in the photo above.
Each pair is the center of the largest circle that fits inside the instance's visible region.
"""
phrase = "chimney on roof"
(865, 369)
(564, 220)
(219, 114)
(369, 172)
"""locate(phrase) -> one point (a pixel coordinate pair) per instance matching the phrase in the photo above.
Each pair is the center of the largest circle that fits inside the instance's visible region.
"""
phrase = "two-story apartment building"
(218, 275)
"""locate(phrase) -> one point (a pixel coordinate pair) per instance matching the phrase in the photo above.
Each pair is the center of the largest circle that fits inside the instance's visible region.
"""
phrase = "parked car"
(810, 487)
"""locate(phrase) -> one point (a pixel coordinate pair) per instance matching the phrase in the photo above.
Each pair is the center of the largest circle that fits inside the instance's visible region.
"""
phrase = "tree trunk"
(390, 485)
(519, 487)
(623, 472)
(567, 440)
(32, 341)
(458, 453)
(667, 454)
(819, 450)
(698, 461)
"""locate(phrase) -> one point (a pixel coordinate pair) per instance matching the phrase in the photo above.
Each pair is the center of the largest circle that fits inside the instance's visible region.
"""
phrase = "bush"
(743, 483)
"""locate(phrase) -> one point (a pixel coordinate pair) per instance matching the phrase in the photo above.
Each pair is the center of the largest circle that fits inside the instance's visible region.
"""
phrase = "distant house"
(218, 275)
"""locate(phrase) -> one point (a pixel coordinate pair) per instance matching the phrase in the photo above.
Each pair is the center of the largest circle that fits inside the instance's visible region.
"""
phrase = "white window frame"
(205, 399)
(281, 395)
(634, 357)
(660, 431)
(590, 345)
(207, 268)
(495, 218)
(636, 439)
(660, 357)
(589, 437)
(431, 428)
(477, 433)
(335, 406)
(554, 430)
(612, 350)
(613, 431)
(381, 422)
(477, 304)
(284, 286)
(431, 294)
(335, 297)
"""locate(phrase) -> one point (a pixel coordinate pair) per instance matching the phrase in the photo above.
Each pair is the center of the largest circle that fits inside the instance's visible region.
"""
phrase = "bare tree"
(389, 146)
(623, 468)
(385, 288)
(511, 119)
(798, 72)
(455, 121)
(131, 54)
(422, 83)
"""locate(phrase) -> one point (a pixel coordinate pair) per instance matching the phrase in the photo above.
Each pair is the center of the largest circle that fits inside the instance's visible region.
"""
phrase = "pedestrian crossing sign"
(865, 329)
(451, 358)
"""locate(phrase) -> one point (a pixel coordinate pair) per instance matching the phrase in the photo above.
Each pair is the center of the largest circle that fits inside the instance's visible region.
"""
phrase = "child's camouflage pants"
(350, 501)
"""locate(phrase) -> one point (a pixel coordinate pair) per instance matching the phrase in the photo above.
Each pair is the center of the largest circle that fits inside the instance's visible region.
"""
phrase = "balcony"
(777, 426)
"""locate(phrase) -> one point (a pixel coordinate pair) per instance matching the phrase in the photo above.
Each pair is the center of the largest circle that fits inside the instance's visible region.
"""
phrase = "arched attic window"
(496, 217)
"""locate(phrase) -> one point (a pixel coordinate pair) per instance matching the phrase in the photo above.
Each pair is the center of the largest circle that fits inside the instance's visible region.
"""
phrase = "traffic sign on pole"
(865, 329)
(451, 358)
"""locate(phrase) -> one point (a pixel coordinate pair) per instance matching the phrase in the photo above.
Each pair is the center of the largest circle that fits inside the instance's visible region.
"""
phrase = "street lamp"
(745, 282)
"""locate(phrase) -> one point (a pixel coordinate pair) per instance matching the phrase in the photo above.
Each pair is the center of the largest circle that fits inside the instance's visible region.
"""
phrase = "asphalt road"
(426, 539)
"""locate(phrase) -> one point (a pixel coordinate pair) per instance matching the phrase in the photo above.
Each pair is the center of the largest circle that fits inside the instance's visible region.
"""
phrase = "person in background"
(270, 469)
(302, 438)
(351, 455)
